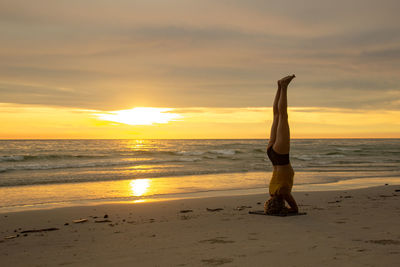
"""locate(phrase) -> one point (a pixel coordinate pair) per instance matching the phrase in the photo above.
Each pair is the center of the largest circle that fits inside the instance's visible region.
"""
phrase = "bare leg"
(275, 122)
(282, 142)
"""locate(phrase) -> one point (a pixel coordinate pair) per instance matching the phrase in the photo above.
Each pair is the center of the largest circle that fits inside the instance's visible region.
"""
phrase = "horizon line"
(55, 139)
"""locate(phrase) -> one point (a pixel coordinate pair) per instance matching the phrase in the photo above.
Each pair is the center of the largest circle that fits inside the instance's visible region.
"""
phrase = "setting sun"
(140, 116)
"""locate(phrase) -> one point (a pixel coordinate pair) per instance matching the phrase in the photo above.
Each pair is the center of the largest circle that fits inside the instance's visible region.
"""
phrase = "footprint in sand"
(384, 242)
(252, 236)
(217, 240)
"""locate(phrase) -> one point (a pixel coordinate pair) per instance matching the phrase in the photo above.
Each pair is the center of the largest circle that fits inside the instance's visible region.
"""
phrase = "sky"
(209, 68)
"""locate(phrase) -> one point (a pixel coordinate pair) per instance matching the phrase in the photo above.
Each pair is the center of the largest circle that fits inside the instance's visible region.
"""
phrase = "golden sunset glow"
(28, 121)
(139, 187)
(140, 116)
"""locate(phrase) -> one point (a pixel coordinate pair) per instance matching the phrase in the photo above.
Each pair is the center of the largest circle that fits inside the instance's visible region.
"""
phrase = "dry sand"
(342, 228)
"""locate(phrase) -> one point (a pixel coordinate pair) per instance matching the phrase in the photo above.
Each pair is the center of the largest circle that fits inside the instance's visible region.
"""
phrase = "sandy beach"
(151, 133)
(342, 228)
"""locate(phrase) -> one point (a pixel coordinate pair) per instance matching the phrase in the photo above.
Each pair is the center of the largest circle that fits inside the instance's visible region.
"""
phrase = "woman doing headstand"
(281, 183)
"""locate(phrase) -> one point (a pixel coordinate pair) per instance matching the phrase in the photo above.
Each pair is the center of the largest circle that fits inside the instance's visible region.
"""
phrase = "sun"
(140, 116)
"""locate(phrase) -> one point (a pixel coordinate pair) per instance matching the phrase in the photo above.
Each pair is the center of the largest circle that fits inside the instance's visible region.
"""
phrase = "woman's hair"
(275, 205)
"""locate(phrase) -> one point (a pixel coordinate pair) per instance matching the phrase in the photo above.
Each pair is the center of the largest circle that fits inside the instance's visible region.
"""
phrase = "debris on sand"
(217, 261)
(102, 221)
(40, 230)
(217, 240)
(242, 207)
(105, 216)
(80, 221)
(385, 196)
(11, 236)
(217, 209)
(185, 211)
(384, 242)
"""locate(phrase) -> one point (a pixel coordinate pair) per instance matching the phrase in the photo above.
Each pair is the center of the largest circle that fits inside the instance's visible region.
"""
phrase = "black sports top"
(276, 158)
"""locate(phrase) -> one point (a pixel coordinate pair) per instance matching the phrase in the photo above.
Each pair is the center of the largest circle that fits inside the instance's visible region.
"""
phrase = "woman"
(281, 183)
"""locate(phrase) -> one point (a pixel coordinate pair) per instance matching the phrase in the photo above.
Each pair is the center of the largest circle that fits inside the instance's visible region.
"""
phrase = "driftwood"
(80, 221)
(40, 230)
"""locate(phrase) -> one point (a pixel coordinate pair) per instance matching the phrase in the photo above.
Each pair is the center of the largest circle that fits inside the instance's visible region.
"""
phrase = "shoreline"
(350, 184)
(355, 227)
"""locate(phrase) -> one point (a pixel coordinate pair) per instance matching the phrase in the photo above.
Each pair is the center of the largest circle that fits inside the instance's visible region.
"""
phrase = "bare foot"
(286, 80)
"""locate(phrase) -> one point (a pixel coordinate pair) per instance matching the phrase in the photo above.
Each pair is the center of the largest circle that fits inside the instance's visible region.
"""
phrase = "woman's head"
(275, 205)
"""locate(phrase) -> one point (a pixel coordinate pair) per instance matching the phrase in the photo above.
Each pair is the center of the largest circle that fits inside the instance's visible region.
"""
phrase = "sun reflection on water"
(134, 145)
(140, 187)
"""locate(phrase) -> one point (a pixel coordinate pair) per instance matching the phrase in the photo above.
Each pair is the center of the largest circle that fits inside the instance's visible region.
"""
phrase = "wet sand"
(342, 228)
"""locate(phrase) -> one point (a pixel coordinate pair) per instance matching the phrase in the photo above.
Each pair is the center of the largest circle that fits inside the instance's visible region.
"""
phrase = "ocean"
(45, 172)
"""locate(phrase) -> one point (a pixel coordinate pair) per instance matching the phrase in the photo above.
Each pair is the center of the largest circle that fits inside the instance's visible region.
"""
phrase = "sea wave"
(100, 178)
(94, 164)
(36, 159)
(189, 159)
(127, 154)
(303, 158)
(225, 151)
(11, 158)
(78, 165)
(334, 153)
(349, 149)
(190, 153)
(17, 158)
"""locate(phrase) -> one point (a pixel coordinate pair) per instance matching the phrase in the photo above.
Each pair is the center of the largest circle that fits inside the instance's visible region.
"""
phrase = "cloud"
(383, 54)
(115, 55)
